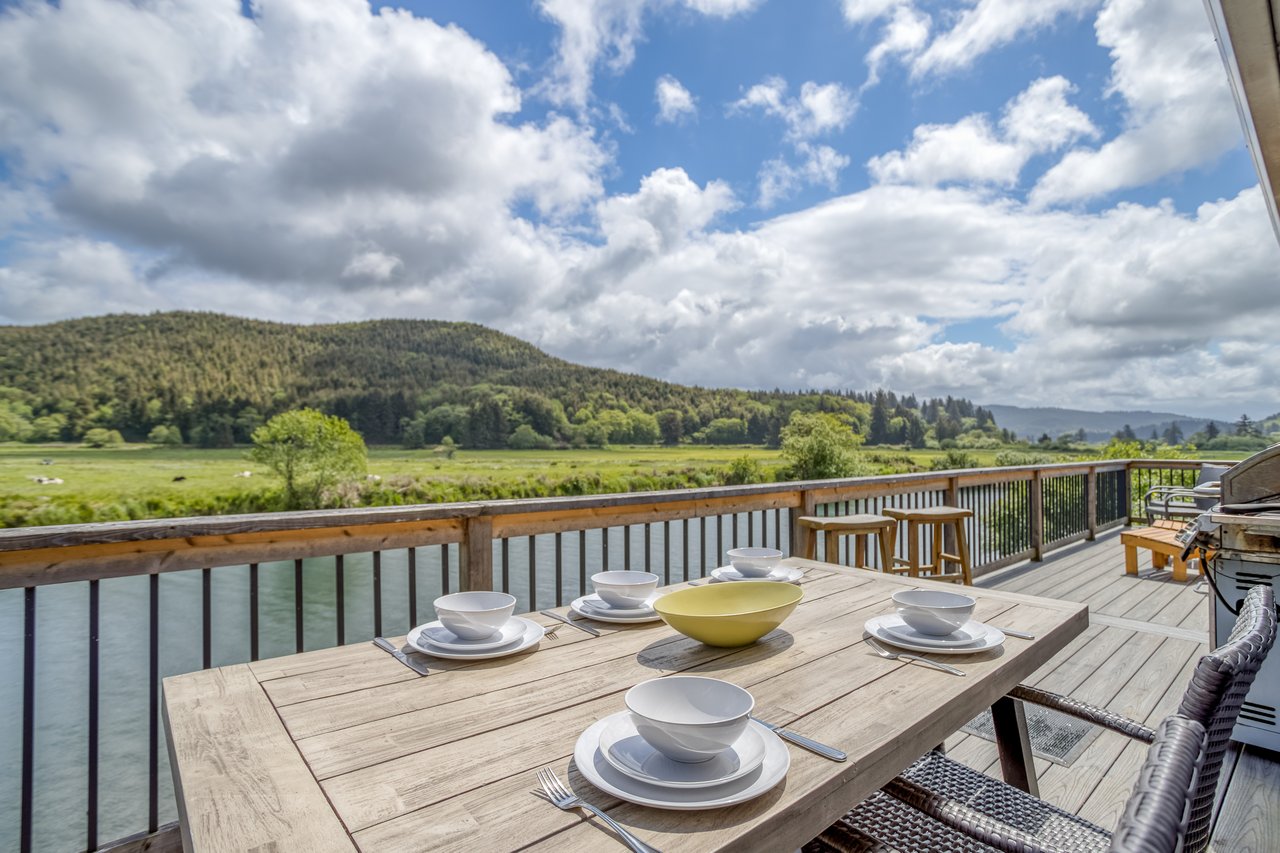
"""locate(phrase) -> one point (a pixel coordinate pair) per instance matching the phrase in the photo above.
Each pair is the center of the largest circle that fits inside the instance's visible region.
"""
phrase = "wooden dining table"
(346, 748)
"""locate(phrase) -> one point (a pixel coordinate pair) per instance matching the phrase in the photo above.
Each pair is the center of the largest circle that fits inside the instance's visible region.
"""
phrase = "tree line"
(212, 380)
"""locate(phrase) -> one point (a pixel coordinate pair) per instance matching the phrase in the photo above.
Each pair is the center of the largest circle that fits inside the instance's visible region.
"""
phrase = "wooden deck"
(1146, 632)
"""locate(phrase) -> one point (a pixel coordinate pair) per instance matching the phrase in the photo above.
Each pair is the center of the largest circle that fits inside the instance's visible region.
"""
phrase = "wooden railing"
(374, 571)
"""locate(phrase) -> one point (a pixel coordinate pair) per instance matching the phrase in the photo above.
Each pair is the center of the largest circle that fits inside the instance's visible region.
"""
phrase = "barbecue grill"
(1245, 531)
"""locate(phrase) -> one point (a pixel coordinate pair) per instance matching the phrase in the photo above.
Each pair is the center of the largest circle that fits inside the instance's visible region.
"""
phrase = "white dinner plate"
(532, 634)
(968, 634)
(782, 574)
(595, 602)
(441, 637)
(992, 639)
(579, 606)
(599, 772)
(624, 748)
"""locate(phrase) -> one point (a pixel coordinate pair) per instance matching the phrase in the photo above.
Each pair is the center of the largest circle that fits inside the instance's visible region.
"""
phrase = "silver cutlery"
(885, 653)
(1021, 635)
(566, 620)
(388, 647)
(563, 798)
(800, 740)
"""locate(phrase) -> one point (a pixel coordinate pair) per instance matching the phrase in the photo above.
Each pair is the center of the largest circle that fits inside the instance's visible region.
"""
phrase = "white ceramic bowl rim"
(931, 599)
(475, 602)
(754, 552)
(719, 721)
(625, 578)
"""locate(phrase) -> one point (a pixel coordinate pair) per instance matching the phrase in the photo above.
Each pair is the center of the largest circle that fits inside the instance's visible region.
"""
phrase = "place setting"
(622, 598)
(936, 622)
(476, 626)
(683, 742)
(755, 564)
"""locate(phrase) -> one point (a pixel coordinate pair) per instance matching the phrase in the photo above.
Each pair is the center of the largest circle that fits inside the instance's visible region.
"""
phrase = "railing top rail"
(20, 539)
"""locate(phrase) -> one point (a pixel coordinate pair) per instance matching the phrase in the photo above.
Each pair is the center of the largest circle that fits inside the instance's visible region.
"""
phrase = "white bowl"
(687, 717)
(625, 590)
(755, 562)
(934, 612)
(475, 615)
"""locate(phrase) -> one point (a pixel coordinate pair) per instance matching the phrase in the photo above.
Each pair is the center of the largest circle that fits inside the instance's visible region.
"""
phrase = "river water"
(62, 640)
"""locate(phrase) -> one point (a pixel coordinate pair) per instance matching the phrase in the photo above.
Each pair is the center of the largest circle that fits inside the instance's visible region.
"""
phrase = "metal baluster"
(444, 569)
(206, 609)
(153, 736)
(648, 548)
(377, 593)
(297, 603)
(684, 527)
(506, 566)
(626, 548)
(719, 539)
(339, 604)
(28, 712)
(735, 529)
(666, 552)
(702, 546)
(253, 611)
(582, 562)
(751, 528)
(92, 796)
(604, 548)
(533, 575)
(559, 573)
(413, 587)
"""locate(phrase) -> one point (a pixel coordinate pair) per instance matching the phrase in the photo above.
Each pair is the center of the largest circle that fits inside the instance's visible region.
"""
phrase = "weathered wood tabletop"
(346, 748)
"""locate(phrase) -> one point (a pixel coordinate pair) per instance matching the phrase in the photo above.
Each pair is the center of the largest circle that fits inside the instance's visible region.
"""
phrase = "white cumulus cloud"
(674, 100)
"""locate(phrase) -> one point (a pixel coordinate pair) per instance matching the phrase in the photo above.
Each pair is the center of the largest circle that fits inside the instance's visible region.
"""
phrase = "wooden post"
(1091, 502)
(799, 533)
(475, 554)
(1035, 506)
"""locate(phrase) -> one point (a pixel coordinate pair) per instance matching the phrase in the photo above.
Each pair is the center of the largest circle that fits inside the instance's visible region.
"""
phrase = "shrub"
(819, 446)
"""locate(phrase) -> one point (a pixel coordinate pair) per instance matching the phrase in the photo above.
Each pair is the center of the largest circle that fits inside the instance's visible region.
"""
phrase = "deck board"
(1146, 634)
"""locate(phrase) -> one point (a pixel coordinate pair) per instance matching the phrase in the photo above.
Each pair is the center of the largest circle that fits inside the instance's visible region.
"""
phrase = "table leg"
(1014, 744)
(1179, 568)
(1130, 559)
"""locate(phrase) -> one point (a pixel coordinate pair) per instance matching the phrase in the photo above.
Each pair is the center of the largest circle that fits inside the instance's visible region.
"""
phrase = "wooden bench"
(1161, 541)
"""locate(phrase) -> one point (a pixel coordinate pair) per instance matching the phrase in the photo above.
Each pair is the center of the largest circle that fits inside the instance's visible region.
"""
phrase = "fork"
(885, 653)
(562, 798)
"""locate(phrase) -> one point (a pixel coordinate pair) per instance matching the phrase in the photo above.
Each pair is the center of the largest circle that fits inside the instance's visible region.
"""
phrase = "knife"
(386, 645)
(1021, 635)
(592, 631)
(800, 740)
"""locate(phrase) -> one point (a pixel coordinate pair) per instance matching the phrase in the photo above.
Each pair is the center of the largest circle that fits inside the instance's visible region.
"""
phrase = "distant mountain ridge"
(1098, 426)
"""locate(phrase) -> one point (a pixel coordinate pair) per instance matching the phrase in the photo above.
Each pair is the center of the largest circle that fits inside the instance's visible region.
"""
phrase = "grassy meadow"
(143, 481)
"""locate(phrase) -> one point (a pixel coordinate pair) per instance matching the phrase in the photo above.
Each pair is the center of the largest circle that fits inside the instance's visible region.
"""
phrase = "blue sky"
(1038, 202)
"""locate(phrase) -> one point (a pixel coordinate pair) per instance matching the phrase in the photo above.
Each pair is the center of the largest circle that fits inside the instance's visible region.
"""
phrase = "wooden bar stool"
(860, 527)
(939, 518)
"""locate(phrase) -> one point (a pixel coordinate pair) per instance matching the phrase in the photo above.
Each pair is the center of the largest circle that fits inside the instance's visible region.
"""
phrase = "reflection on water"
(62, 640)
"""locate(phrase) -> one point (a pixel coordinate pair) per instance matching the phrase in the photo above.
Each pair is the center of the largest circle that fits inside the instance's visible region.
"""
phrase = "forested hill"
(215, 378)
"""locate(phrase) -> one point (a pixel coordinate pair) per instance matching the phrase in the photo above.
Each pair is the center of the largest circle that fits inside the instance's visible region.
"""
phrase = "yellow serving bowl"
(729, 614)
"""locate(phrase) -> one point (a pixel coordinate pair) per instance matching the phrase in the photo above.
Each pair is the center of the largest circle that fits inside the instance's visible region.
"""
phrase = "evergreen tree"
(1211, 430)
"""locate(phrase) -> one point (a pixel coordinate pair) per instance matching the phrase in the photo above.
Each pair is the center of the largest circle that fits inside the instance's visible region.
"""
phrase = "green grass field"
(140, 481)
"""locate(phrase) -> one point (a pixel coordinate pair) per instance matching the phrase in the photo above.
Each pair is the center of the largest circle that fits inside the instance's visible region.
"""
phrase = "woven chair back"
(1216, 693)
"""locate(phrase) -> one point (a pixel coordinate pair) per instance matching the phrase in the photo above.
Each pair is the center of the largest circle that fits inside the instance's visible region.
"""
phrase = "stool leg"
(833, 547)
(913, 549)
(860, 550)
(936, 556)
(886, 537)
(810, 543)
(962, 551)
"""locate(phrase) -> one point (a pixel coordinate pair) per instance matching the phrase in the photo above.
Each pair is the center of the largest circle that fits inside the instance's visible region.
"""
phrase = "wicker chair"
(941, 805)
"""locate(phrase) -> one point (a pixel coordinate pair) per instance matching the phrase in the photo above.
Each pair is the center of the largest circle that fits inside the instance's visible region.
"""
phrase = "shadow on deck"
(1145, 635)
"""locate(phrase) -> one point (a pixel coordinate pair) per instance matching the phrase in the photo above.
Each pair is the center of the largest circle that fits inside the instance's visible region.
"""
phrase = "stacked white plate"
(973, 636)
(782, 574)
(613, 757)
(594, 607)
(517, 635)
